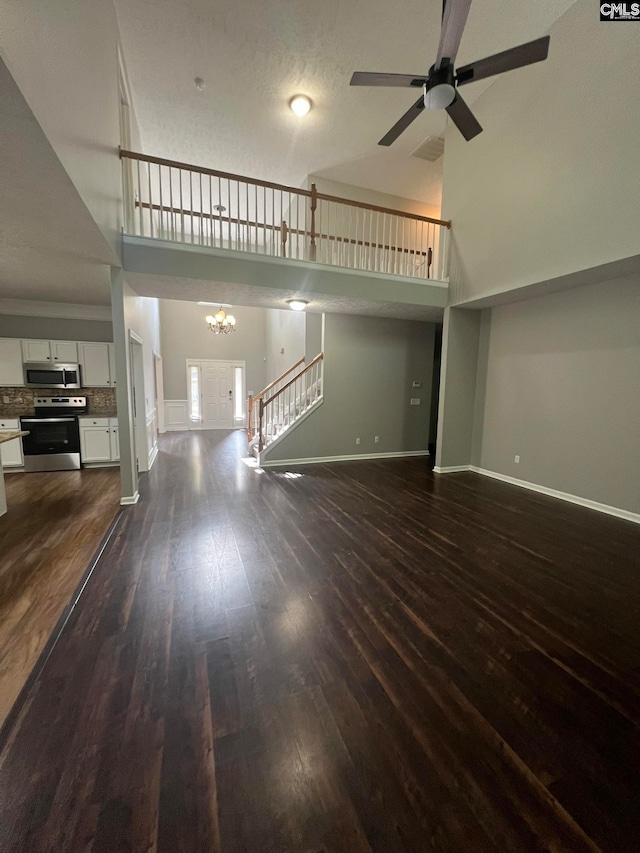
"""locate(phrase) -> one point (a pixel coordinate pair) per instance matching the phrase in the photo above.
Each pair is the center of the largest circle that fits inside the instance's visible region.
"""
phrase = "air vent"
(431, 149)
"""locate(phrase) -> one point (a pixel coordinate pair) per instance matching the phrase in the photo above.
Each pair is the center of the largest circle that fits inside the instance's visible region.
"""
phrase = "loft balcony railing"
(168, 200)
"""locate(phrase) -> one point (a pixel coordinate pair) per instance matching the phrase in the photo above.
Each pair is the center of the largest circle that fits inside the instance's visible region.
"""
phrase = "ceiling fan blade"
(516, 57)
(369, 78)
(453, 23)
(463, 118)
(400, 126)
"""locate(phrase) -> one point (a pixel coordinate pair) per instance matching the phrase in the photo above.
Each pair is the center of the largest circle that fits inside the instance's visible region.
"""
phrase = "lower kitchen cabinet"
(99, 440)
(11, 451)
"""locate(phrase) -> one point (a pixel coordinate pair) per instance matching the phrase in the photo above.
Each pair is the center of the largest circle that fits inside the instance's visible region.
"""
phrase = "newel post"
(284, 234)
(314, 204)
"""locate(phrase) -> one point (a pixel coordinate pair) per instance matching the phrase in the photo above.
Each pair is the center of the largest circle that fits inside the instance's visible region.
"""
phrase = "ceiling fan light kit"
(440, 85)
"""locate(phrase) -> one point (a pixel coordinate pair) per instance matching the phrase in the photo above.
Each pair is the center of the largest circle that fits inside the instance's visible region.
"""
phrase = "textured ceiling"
(194, 290)
(254, 55)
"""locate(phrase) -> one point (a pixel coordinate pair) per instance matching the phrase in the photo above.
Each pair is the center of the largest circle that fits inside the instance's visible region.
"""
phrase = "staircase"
(284, 402)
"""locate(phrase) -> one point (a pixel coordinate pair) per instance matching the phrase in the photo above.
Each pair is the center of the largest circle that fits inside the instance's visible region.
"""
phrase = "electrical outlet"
(376, 439)
(357, 441)
(516, 459)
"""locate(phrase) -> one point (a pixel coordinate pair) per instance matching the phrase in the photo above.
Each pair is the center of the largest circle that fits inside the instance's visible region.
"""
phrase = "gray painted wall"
(284, 330)
(370, 364)
(55, 328)
(563, 392)
(313, 335)
(460, 338)
(184, 335)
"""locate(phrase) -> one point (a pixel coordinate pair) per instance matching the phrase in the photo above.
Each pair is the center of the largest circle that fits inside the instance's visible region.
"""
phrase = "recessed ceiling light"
(219, 207)
(200, 84)
(300, 105)
(297, 304)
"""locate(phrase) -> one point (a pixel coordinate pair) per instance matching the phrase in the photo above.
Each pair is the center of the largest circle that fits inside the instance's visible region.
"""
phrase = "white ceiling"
(253, 56)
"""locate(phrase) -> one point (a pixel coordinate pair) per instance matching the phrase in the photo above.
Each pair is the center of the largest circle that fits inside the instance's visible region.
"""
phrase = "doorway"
(216, 394)
(138, 402)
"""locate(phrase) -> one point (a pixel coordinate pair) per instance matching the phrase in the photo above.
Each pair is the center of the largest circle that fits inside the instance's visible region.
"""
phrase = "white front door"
(217, 395)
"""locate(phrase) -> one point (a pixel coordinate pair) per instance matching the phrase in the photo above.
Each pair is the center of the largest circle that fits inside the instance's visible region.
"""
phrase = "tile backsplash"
(19, 400)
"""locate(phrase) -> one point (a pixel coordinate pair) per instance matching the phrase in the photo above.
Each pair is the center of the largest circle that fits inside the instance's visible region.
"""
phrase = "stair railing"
(283, 407)
(274, 386)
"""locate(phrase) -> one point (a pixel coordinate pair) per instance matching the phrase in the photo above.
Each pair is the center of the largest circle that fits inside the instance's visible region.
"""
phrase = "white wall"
(552, 185)
(63, 56)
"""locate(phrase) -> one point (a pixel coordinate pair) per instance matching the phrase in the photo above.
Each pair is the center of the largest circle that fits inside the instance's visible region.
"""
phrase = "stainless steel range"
(53, 443)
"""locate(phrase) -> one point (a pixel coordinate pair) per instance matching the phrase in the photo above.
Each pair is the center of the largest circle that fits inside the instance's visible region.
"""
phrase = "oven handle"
(47, 420)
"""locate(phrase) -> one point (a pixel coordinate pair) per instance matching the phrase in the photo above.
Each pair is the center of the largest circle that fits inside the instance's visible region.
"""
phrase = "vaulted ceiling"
(253, 56)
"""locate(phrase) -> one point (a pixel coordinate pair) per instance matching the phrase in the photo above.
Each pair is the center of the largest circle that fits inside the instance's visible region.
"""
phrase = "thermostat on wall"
(416, 383)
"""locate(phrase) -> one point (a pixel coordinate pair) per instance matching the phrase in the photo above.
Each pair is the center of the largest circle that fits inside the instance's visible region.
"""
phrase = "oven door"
(46, 375)
(50, 435)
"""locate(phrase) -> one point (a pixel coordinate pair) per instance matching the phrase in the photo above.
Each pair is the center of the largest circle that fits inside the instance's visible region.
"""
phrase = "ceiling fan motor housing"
(440, 90)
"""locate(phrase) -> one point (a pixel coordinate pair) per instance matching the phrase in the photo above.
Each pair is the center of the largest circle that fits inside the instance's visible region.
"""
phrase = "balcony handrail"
(179, 211)
(176, 164)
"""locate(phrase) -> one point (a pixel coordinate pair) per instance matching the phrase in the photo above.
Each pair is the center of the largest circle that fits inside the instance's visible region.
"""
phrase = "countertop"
(14, 414)
(10, 434)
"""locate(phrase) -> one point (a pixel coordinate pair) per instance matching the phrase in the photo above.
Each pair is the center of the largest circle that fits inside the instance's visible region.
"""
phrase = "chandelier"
(221, 324)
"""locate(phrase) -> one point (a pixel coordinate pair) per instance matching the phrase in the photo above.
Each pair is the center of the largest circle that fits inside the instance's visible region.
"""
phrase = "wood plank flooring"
(54, 525)
(343, 658)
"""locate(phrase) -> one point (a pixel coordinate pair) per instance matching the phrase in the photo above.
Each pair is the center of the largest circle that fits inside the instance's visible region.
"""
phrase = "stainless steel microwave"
(43, 374)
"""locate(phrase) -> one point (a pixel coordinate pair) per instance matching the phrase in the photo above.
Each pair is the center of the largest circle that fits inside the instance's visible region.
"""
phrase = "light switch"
(414, 401)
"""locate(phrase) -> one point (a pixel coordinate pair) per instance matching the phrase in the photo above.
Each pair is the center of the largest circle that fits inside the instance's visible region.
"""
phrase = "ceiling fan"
(440, 85)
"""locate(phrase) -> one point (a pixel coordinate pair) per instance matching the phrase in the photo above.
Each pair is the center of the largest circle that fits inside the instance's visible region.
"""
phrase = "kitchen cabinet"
(115, 440)
(11, 362)
(99, 440)
(96, 361)
(66, 352)
(36, 350)
(11, 451)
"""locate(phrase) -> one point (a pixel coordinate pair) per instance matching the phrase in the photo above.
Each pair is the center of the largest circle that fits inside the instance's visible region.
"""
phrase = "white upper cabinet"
(112, 363)
(11, 362)
(36, 350)
(66, 352)
(95, 364)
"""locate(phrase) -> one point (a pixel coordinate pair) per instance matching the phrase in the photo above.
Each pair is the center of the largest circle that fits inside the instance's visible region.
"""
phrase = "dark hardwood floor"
(349, 657)
(54, 525)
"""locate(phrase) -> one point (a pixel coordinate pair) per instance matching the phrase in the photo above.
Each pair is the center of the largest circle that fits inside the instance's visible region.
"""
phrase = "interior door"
(217, 395)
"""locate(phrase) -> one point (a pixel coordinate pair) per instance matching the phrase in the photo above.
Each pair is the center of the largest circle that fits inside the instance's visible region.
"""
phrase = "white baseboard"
(563, 496)
(130, 500)
(543, 490)
(316, 460)
(451, 469)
